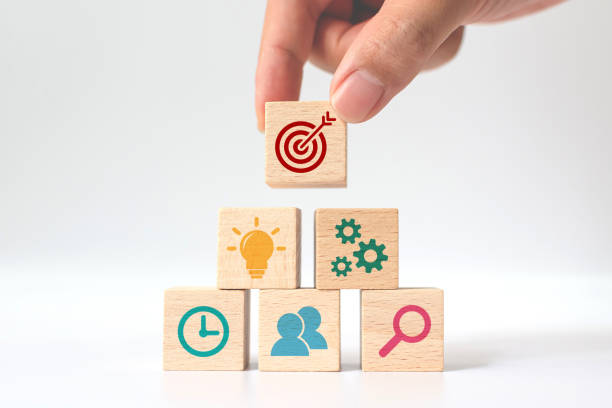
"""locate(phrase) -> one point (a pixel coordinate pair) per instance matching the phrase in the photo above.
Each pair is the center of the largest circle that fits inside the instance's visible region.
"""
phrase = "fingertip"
(260, 125)
(355, 98)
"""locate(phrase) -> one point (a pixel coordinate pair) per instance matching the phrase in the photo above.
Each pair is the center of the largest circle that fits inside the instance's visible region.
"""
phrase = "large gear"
(354, 228)
(346, 266)
(380, 256)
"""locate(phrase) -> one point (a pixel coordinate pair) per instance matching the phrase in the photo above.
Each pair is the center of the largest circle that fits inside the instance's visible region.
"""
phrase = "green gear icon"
(345, 268)
(380, 256)
(354, 227)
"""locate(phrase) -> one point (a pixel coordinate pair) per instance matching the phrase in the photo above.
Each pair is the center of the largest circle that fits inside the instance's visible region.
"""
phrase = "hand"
(374, 47)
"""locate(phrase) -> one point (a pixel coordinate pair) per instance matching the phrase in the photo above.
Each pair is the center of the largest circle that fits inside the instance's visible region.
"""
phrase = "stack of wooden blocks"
(299, 328)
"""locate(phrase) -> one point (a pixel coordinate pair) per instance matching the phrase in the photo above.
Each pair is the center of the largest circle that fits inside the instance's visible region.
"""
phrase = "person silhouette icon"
(312, 321)
(289, 326)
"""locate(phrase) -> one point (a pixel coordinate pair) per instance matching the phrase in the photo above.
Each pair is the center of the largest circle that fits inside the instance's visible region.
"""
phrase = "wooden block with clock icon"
(305, 145)
(206, 329)
(299, 330)
(402, 330)
(258, 248)
(356, 248)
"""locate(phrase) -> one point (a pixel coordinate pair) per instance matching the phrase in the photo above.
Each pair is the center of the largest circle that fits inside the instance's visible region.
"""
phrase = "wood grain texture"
(275, 303)
(281, 226)
(332, 170)
(380, 224)
(378, 308)
(233, 304)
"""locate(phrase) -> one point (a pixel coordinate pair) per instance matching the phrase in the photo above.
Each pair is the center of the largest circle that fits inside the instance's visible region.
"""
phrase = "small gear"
(346, 266)
(380, 256)
(354, 228)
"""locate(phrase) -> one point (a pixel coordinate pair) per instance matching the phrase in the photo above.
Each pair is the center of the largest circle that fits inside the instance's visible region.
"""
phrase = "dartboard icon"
(300, 146)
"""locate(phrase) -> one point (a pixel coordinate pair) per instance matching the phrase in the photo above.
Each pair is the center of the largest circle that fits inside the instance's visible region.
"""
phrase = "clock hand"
(203, 332)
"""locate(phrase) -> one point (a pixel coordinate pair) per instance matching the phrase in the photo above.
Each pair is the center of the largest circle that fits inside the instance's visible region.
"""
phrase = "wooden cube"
(356, 248)
(299, 330)
(206, 329)
(258, 248)
(402, 330)
(305, 145)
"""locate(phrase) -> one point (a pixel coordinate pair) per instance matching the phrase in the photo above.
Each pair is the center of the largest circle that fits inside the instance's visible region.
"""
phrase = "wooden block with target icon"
(356, 248)
(206, 329)
(402, 330)
(258, 248)
(305, 145)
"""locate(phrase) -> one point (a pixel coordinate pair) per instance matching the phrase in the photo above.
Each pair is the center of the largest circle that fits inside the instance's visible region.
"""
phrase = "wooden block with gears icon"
(305, 145)
(206, 329)
(258, 248)
(299, 330)
(356, 248)
(402, 330)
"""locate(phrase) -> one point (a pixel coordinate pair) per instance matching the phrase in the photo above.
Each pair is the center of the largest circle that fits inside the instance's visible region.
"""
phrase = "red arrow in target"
(325, 121)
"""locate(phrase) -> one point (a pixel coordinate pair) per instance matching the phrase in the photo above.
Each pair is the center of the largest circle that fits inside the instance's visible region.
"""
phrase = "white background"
(125, 125)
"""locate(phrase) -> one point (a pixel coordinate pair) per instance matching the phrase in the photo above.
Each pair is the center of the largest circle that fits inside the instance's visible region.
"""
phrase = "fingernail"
(356, 96)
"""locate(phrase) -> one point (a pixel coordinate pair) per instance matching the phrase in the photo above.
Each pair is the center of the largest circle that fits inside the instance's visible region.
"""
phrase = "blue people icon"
(312, 321)
(289, 326)
(299, 333)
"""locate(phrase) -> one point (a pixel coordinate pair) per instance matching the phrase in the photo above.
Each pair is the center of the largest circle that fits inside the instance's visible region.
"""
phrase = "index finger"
(286, 40)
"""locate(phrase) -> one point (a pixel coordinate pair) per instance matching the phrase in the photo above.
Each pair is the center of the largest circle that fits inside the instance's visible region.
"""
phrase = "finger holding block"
(258, 248)
(402, 330)
(356, 248)
(305, 145)
(206, 329)
(299, 330)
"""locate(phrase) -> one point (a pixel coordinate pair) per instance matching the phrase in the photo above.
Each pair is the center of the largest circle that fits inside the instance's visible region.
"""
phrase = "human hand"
(374, 47)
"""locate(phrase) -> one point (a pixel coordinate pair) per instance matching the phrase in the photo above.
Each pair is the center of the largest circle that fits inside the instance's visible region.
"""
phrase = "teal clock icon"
(205, 316)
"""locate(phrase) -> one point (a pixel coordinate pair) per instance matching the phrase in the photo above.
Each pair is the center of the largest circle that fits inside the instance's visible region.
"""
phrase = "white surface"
(75, 340)
(125, 125)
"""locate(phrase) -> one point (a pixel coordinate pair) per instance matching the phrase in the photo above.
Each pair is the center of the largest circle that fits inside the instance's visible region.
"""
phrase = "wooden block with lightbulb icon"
(305, 145)
(206, 329)
(299, 330)
(356, 248)
(402, 330)
(258, 248)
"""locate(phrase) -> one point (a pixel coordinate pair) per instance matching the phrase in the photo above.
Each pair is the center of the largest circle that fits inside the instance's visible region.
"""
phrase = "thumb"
(390, 51)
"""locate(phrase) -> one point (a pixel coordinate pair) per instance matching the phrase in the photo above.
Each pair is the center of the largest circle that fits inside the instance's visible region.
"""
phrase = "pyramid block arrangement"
(299, 329)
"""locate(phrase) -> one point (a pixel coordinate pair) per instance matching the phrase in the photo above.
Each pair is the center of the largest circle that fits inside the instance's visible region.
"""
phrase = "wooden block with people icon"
(402, 330)
(356, 248)
(258, 248)
(299, 330)
(305, 145)
(206, 329)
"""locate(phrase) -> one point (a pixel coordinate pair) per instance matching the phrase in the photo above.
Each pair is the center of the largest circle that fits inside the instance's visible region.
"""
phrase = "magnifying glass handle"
(386, 349)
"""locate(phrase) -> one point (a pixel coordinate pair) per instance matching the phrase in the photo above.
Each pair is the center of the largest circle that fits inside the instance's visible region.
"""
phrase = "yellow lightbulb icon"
(256, 247)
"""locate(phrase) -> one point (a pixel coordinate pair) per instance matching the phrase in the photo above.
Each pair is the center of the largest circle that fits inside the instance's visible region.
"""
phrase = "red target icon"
(300, 146)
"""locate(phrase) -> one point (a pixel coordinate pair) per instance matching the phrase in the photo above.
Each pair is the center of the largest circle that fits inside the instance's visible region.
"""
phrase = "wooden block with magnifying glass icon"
(258, 248)
(299, 330)
(402, 330)
(206, 329)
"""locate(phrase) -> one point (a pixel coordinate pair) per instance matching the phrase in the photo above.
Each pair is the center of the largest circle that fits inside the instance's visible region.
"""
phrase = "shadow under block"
(258, 248)
(419, 314)
(305, 145)
(206, 329)
(356, 248)
(309, 320)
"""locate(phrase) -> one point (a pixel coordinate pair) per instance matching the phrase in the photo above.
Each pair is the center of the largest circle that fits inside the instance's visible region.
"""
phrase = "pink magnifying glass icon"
(399, 334)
